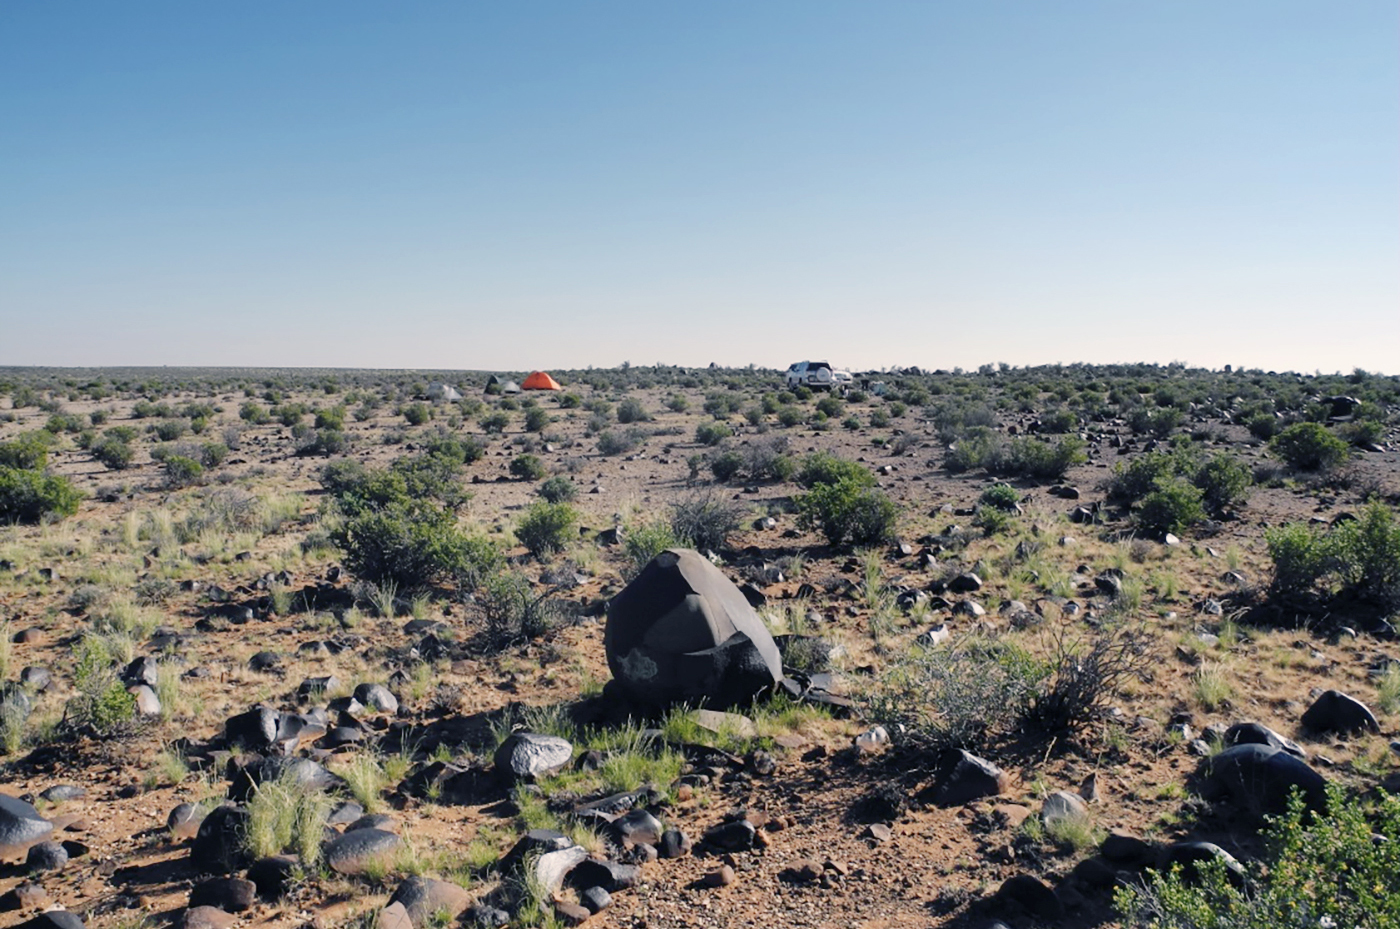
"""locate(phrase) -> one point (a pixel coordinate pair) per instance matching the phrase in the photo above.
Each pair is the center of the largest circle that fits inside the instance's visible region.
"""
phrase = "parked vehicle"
(818, 375)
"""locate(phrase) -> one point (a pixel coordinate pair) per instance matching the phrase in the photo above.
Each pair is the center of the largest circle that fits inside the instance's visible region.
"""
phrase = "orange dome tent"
(540, 381)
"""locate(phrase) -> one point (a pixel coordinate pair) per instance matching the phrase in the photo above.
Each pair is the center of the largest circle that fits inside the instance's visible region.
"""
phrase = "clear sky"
(511, 185)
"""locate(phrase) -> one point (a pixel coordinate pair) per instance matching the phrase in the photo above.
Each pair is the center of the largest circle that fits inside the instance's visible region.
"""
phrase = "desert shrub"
(879, 418)
(1263, 426)
(706, 521)
(1309, 447)
(825, 468)
(1299, 557)
(64, 422)
(339, 477)
(1332, 869)
(1159, 422)
(331, 418)
(416, 414)
(831, 406)
(848, 512)
(101, 702)
(537, 419)
(456, 449)
(631, 410)
(612, 443)
(254, 413)
(726, 465)
(677, 403)
(789, 416)
(1058, 421)
(1043, 460)
(1171, 506)
(1223, 482)
(512, 610)
(325, 442)
(558, 489)
(957, 696)
(547, 528)
(1360, 556)
(766, 459)
(181, 471)
(1361, 433)
(1084, 673)
(126, 434)
(978, 447)
(1365, 552)
(413, 544)
(494, 423)
(1001, 497)
(171, 429)
(642, 543)
(570, 401)
(712, 433)
(28, 496)
(114, 454)
(28, 452)
(527, 467)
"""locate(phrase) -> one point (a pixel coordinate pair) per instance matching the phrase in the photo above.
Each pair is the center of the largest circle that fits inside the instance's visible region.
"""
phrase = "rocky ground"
(270, 665)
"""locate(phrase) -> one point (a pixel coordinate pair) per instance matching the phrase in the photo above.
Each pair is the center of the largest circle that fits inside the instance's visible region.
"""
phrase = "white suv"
(818, 375)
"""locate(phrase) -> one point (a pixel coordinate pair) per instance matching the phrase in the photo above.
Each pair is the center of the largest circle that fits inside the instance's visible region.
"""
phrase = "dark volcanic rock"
(968, 778)
(1334, 711)
(1259, 778)
(46, 856)
(255, 730)
(272, 876)
(681, 630)
(423, 897)
(230, 894)
(20, 826)
(353, 852)
(1259, 734)
(218, 845)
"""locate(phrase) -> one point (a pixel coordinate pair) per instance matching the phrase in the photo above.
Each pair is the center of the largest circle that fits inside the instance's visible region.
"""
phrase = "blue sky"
(544, 184)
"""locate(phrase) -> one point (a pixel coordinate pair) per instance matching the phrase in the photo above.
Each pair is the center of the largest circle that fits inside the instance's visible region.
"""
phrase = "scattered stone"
(61, 793)
(36, 678)
(609, 875)
(596, 899)
(1334, 711)
(394, 916)
(969, 778)
(26, 896)
(272, 876)
(1127, 849)
(377, 697)
(353, 852)
(20, 827)
(46, 856)
(1259, 778)
(1190, 854)
(230, 894)
(422, 898)
(877, 832)
(722, 877)
(1063, 806)
(147, 703)
(1031, 895)
(206, 917)
(265, 661)
(1259, 734)
(674, 844)
(552, 868)
(218, 843)
(255, 730)
(55, 919)
(524, 756)
(636, 827)
(183, 821)
(735, 836)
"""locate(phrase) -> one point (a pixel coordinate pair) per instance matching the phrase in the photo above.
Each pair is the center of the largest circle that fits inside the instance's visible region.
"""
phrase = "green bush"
(706, 521)
(527, 467)
(712, 433)
(820, 468)
(848, 512)
(1171, 506)
(831, 406)
(122, 433)
(113, 454)
(254, 413)
(677, 403)
(1309, 447)
(1361, 556)
(1033, 458)
(631, 411)
(726, 465)
(1318, 870)
(537, 419)
(1001, 497)
(558, 489)
(331, 418)
(29, 496)
(28, 452)
(789, 416)
(1263, 426)
(495, 422)
(416, 414)
(181, 471)
(642, 543)
(413, 543)
(547, 528)
(171, 429)
(1298, 555)
(1224, 483)
(323, 442)
(512, 610)
(978, 447)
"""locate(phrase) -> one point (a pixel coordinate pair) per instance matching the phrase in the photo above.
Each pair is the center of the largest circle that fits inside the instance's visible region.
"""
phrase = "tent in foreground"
(541, 381)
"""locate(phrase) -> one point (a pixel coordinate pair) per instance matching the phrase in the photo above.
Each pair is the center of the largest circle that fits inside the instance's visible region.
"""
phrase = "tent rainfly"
(443, 393)
(541, 381)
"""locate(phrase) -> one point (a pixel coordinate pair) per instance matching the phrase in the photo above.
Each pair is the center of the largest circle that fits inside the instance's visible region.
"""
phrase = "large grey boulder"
(682, 632)
(423, 898)
(20, 827)
(355, 852)
(1260, 778)
(524, 756)
(1334, 711)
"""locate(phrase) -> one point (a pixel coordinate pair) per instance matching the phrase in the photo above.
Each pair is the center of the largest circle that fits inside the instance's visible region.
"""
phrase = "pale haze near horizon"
(517, 186)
